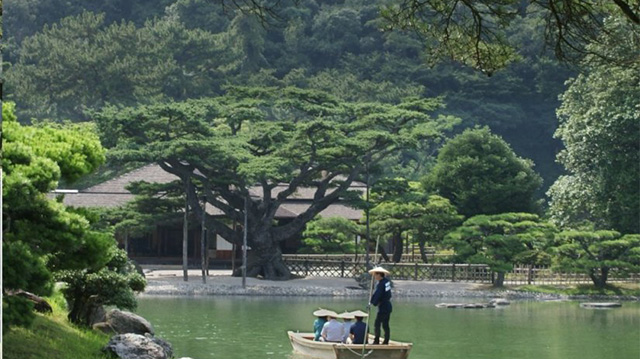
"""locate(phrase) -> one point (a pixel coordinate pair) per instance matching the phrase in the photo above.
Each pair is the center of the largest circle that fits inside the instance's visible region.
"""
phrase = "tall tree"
(599, 126)
(404, 210)
(481, 174)
(438, 217)
(266, 137)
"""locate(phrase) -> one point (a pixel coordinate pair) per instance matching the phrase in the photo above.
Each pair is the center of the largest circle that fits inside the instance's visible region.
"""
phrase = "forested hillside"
(63, 58)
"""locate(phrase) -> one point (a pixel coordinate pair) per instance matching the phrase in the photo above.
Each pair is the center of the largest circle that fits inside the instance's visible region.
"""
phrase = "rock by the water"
(97, 315)
(136, 346)
(601, 305)
(499, 301)
(126, 322)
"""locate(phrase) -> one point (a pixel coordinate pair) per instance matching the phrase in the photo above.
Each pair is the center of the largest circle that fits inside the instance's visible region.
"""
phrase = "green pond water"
(246, 327)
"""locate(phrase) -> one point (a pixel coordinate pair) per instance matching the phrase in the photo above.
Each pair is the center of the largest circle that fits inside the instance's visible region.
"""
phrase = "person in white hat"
(382, 299)
(319, 323)
(332, 330)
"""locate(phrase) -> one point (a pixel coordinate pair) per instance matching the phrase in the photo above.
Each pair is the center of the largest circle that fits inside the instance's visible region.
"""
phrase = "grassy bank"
(622, 289)
(53, 337)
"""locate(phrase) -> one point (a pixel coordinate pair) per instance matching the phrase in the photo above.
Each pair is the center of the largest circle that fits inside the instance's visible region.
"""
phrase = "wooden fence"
(330, 266)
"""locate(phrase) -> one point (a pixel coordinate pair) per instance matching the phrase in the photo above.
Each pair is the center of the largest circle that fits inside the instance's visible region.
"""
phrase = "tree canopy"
(599, 126)
(39, 235)
(207, 45)
(475, 33)
(281, 140)
(598, 253)
(43, 240)
(480, 174)
(502, 240)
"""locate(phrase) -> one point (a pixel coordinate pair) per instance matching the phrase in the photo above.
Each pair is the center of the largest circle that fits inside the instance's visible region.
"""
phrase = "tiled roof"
(113, 193)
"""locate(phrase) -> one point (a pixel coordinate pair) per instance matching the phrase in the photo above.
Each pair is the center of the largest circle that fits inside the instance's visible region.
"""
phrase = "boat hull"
(303, 343)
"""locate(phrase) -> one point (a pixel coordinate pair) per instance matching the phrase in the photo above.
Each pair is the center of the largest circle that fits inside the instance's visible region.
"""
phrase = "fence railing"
(406, 257)
(343, 268)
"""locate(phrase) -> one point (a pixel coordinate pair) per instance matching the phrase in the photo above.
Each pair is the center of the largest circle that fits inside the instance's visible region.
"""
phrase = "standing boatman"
(382, 299)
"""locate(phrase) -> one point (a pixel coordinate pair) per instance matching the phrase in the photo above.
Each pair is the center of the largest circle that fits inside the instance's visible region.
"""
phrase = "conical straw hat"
(379, 270)
(321, 312)
(332, 314)
(346, 315)
(359, 313)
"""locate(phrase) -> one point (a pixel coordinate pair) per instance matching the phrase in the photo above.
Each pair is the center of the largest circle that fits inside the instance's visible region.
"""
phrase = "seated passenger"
(359, 329)
(318, 324)
(347, 318)
(333, 330)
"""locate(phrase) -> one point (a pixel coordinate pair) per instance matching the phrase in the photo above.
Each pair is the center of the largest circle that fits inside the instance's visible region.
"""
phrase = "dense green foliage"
(113, 284)
(598, 253)
(40, 236)
(140, 52)
(599, 125)
(481, 174)
(219, 147)
(331, 89)
(402, 212)
(501, 241)
(476, 32)
(42, 239)
(330, 235)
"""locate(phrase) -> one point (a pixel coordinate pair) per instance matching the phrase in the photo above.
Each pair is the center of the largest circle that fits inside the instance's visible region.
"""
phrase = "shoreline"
(221, 283)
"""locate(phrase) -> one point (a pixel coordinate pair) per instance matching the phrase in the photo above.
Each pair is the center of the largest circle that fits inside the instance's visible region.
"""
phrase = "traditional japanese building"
(163, 244)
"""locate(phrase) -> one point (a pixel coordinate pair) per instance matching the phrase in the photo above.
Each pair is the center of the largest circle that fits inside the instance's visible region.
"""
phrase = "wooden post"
(415, 271)
(355, 260)
(342, 268)
(233, 249)
(207, 238)
(244, 242)
(368, 233)
(453, 272)
(185, 235)
(203, 244)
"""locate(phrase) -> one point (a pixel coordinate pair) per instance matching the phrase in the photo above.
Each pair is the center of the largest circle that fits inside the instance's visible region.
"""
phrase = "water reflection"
(246, 327)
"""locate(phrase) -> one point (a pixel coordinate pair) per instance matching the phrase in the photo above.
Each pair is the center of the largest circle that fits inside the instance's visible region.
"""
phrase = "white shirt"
(333, 331)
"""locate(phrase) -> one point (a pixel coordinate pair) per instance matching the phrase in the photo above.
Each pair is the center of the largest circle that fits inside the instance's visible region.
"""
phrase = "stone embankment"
(171, 283)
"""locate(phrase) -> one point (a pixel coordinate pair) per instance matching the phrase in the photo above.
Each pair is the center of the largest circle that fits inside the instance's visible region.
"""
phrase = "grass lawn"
(53, 337)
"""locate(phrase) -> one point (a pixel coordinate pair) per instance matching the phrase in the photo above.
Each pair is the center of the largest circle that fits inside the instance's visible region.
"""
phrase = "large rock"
(122, 322)
(97, 315)
(601, 305)
(136, 346)
(499, 301)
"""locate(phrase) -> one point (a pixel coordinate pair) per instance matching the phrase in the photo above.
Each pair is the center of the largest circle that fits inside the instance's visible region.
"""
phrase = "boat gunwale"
(303, 339)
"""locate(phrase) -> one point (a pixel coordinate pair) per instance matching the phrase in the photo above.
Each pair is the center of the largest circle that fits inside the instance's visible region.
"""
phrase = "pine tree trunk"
(265, 259)
(599, 281)
(397, 247)
(423, 251)
(499, 282)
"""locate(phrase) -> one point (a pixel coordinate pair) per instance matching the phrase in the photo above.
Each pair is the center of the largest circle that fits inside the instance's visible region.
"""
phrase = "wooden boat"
(303, 343)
